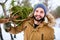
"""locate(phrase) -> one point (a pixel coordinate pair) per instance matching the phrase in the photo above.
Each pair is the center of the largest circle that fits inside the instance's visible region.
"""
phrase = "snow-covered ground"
(57, 33)
(57, 29)
(20, 36)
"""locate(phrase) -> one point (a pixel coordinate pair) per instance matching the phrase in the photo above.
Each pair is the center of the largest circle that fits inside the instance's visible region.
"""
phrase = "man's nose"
(38, 13)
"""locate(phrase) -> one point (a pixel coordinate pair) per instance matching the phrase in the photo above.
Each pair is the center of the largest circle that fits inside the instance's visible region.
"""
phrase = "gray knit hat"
(41, 6)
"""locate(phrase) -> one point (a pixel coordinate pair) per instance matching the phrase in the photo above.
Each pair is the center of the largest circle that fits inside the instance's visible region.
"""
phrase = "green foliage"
(22, 12)
(12, 2)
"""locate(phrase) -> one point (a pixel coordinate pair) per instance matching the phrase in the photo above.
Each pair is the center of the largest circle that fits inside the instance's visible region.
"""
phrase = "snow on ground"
(57, 33)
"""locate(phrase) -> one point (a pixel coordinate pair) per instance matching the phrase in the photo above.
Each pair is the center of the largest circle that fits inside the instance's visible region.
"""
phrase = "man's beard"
(41, 20)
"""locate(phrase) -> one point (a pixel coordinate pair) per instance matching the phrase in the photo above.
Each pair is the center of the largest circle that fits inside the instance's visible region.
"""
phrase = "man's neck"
(37, 22)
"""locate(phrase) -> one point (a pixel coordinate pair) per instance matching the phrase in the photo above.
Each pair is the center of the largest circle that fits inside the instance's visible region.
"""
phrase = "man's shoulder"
(30, 21)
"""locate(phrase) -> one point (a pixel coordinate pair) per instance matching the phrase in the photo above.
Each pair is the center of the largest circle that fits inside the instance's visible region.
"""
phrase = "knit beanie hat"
(40, 6)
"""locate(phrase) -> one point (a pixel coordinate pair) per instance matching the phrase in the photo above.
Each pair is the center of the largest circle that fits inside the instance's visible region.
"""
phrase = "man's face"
(39, 13)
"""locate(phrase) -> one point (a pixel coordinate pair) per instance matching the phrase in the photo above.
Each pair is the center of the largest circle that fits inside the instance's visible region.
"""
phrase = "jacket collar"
(31, 22)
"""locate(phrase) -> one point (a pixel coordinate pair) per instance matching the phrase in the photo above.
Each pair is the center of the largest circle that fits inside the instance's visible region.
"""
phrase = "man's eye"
(41, 11)
(36, 10)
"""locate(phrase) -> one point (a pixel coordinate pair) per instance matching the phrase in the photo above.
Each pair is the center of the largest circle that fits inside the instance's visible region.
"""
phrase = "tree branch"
(1, 3)
(4, 2)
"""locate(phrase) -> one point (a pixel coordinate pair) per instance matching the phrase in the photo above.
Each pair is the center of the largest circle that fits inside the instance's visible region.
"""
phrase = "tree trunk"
(1, 33)
(11, 37)
(4, 11)
(14, 36)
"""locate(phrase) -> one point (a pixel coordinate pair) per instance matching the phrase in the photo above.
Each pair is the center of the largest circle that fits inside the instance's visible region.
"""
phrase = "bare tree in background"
(47, 5)
(3, 7)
